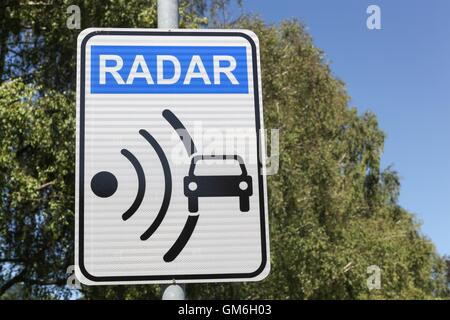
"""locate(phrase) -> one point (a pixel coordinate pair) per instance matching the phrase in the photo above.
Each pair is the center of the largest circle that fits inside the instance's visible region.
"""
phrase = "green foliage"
(41, 47)
(37, 186)
(333, 211)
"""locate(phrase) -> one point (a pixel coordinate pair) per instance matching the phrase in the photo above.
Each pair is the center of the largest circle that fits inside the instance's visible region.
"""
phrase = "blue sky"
(402, 74)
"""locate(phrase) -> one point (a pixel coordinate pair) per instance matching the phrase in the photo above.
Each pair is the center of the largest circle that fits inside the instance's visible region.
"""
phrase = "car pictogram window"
(215, 166)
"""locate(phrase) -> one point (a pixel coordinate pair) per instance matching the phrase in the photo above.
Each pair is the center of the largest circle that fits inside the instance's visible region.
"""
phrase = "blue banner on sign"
(168, 69)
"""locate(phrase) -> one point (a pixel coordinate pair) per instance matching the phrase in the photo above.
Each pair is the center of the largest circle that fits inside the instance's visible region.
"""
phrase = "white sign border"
(80, 271)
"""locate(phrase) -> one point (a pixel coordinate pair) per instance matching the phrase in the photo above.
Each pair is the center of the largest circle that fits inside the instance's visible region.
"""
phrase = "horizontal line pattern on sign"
(227, 243)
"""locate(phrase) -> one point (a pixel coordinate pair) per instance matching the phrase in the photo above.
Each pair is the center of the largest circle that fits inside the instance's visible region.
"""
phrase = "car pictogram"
(196, 185)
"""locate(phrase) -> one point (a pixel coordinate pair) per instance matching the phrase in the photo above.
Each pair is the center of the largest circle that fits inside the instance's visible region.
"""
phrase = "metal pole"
(167, 14)
(174, 292)
(168, 19)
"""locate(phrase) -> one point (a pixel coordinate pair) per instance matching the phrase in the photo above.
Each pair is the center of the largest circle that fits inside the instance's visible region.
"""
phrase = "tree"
(37, 190)
(333, 211)
(36, 45)
(448, 269)
(37, 133)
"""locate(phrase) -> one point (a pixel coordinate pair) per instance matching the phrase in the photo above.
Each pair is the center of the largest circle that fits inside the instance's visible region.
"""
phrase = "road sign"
(170, 175)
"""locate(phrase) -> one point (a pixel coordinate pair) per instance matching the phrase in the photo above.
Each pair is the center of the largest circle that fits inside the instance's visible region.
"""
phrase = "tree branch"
(8, 284)
(58, 282)
(9, 260)
(47, 184)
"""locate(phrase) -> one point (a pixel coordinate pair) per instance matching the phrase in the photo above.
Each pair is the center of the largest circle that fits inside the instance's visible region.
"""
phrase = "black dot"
(104, 184)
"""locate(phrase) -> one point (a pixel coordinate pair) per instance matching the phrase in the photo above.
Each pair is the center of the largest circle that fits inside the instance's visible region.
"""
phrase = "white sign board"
(170, 176)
